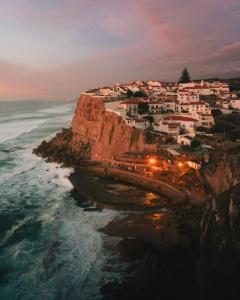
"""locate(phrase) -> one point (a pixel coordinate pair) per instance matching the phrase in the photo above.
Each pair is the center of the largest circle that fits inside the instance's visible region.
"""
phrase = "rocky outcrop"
(222, 175)
(219, 260)
(106, 132)
(96, 134)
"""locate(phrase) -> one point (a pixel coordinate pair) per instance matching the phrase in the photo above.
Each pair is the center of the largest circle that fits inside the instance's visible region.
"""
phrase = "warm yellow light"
(152, 161)
(180, 164)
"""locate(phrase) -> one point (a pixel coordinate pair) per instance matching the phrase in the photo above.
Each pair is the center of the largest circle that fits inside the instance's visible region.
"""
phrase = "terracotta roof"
(131, 102)
(180, 118)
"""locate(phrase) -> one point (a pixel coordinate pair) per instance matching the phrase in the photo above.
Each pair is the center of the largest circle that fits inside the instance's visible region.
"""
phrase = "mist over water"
(49, 247)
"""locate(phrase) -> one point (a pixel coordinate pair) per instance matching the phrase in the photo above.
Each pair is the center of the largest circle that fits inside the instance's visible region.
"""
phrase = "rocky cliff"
(106, 132)
(219, 261)
(96, 134)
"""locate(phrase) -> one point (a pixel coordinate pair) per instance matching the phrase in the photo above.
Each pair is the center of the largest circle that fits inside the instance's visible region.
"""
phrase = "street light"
(152, 161)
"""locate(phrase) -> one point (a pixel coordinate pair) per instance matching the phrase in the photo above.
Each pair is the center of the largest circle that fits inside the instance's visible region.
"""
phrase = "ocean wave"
(11, 231)
(57, 109)
(12, 130)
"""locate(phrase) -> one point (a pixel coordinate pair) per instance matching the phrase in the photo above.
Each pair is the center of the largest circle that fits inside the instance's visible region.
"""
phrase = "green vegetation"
(229, 125)
(140, 94)
(150, 119)
(185, 77)
(195, 143)
(216, 113)
(143, 108)
(129, 94)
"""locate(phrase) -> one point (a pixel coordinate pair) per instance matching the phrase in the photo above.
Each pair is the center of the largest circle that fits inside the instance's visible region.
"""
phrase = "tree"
(195, 143)
(150, 119)
(143, 108)
(140, 94)
(129, 94)
(185, 77)
(216, 113)
(223, 126)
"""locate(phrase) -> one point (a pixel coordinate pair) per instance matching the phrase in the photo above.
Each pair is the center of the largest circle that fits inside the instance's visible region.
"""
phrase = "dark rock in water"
(85, 204)
(133, 249)
(92, 209)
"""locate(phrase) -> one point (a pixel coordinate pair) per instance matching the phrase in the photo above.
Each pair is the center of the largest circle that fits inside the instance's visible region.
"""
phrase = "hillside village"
(176, 111)
(190, 121)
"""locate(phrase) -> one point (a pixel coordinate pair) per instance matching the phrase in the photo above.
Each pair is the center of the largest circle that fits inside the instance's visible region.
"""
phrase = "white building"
(137, 123)
(205, 120)
(187, 97)
(205, 88)
(105, 91)
(185, 140)
(130, 106)
(169, 105)
(186, 123)
(199, 107)
(154, 83)
(168, 128)
(235, 104)
(155, 107)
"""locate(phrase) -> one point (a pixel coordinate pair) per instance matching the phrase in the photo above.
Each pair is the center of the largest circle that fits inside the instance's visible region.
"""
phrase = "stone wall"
(139, 180)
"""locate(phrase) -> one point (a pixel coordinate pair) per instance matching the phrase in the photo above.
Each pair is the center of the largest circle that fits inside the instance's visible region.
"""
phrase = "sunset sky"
(54, 49)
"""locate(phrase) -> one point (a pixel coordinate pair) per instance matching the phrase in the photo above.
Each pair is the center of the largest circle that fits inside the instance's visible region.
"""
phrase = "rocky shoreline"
(204, 261)
(160, 247)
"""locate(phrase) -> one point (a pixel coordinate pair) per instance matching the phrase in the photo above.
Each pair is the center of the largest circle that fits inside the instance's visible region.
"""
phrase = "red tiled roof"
(131, 102)
(179, 118)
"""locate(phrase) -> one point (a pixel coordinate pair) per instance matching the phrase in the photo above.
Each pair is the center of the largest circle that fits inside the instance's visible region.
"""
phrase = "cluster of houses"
(170, 109)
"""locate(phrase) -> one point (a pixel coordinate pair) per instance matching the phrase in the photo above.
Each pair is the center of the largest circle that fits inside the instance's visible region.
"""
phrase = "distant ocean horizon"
(49, 247)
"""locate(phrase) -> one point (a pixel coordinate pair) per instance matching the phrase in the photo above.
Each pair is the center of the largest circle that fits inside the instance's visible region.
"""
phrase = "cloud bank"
(55, 49)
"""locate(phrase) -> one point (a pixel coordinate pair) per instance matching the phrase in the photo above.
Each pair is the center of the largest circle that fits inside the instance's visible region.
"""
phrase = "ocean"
(50, 248)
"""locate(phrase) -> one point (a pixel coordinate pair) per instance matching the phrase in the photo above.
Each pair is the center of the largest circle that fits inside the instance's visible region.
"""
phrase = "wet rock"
(132, 248)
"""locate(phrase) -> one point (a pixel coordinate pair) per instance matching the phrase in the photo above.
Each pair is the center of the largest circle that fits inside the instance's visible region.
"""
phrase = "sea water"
(49, 247)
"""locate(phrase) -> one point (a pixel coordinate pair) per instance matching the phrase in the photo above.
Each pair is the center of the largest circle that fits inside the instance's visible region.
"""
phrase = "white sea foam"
(57, 109)
(40, 191)
(61, 175)
(14, 129)
(11, 231)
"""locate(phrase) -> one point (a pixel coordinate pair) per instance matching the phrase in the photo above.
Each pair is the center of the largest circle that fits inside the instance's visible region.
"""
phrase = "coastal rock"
(96, 134)
(106, 132)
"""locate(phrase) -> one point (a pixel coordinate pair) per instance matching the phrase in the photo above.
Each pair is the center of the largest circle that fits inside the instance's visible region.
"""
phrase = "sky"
(54, 49)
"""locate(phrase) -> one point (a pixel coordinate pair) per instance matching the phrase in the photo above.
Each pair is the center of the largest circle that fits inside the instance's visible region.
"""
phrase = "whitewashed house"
(186, 123)
(130, 106)
(235, 104)
(168, 128)
(185, 140)
(137, 123)
(187, 97)
(155, 107)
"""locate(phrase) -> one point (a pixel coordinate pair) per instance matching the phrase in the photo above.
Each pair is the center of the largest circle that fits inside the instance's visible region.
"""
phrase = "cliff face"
(96, 134)
(219, 263)
(224, 174)
(105, 132)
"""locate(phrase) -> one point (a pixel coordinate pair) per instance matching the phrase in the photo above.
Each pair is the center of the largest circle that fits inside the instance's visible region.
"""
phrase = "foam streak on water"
(49, 247)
